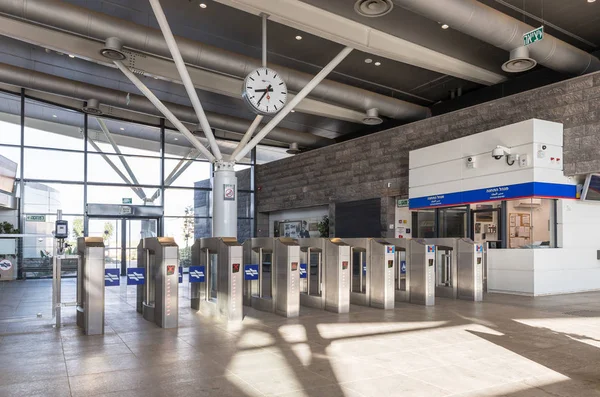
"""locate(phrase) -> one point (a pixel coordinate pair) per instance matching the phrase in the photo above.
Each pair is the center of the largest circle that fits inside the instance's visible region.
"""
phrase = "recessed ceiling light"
(202, 5)
(71, 56)
(293, 111)
(55, 116)
(175, 139)
(298, 37)
(591, 1)
(368, 60)
(122, 129)
(444, 26)
(377, 63)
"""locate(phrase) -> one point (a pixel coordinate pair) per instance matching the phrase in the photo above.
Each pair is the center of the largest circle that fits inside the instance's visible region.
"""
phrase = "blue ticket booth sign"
(136, 276)
(111, 278)
(251, 272)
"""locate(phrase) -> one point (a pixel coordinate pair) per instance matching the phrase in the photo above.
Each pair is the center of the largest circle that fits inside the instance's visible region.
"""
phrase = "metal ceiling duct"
(100, 26)
(37, 81)
(487, 24)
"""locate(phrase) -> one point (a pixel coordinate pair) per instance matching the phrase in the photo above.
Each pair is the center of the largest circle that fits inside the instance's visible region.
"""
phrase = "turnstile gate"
(458, 268)
(90, 285)
(422, 272)
(470, 270)
(216, 278)
(402, 267)
(325, 274)
(373, 265)
(276, 285)
(158, 298)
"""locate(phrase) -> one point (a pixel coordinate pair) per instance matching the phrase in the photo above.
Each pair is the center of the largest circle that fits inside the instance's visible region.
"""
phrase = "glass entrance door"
(121, 239)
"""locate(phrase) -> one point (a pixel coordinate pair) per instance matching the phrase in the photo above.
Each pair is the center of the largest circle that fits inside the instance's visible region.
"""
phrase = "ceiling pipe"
(100, 26)
(485, 23)
(38, 81)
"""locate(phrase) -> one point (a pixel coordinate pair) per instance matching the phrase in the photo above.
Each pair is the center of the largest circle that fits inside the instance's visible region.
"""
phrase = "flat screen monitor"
(591, 188)
(8, 173)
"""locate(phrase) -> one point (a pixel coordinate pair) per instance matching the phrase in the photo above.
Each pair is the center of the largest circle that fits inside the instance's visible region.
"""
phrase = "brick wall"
(362, 168)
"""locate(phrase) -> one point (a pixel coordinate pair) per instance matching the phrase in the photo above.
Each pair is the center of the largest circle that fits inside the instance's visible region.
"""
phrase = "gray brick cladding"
(362, 168)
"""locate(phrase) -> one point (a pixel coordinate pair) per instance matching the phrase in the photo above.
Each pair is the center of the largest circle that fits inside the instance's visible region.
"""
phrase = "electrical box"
(61, 229)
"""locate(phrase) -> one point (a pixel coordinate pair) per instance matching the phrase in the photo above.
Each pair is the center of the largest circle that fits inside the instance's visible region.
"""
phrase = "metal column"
(90, 285)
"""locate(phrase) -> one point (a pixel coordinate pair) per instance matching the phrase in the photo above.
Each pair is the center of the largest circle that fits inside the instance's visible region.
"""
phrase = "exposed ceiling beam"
(154, 66)
(319, 22)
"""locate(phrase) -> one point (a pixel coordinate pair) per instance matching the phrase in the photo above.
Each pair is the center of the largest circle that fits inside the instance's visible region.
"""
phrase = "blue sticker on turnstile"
(250, 272)
(402, 267)
(111, 278)
(364, 268)
(180, 274)
(197, 274)
(390, 249)
(136, 276)
(303, 270)
(479, 248)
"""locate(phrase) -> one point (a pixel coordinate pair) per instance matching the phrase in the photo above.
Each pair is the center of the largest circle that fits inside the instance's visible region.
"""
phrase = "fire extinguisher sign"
(229, 192)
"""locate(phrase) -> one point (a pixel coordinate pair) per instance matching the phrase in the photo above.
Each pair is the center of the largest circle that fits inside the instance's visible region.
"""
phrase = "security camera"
(500, 151)
(469, 159)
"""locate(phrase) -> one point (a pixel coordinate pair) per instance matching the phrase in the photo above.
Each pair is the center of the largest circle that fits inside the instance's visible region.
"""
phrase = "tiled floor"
(506, 346)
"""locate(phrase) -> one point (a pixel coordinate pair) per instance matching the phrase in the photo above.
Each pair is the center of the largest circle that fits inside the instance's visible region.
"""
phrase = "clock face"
(265, 91)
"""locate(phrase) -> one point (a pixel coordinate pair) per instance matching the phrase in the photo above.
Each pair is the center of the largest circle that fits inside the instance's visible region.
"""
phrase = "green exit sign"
(533, 36)
(402, 203)
(127, 201)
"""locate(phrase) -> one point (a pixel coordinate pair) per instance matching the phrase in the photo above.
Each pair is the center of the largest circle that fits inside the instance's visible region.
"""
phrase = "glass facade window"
(67, 160)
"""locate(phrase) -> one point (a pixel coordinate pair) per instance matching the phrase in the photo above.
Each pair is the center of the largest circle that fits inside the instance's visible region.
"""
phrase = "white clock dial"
(265, 91)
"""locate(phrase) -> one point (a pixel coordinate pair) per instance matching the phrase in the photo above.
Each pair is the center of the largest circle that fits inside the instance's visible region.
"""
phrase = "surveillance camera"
(499, 152)
(470, 159)
(544, 147)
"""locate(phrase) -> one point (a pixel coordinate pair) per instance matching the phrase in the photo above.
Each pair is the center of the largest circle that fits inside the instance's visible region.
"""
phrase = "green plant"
(8, 228)
(323, 227)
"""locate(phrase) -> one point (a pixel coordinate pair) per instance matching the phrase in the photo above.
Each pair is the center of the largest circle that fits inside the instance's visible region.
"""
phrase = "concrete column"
(224, 200)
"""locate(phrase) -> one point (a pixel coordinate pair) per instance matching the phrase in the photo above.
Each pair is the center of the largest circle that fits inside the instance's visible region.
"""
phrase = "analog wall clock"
(264, 91)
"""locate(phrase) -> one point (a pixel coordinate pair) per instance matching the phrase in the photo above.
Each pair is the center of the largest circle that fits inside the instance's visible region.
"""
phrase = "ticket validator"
(90, 285)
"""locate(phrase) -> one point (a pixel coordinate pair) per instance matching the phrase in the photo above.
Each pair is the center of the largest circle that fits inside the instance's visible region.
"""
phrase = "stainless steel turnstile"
(278, 286)
(325, 264)
(422, 272)
(458, 266)
(90, 285)
(373, 265)
(402, 268)
(221, 293)
(446, 262)
(470, 270)
(158, 298)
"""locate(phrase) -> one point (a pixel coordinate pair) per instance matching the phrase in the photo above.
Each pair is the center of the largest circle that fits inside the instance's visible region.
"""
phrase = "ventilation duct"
(37, 81)
(494, 27)
(100, 26)
(519, 61)
(372, 117)
(373, 8)
(113, 49)
(92, 107)
(293, 148)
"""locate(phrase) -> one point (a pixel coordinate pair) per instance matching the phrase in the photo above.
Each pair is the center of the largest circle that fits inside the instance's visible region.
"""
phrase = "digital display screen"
(170, 270)
(390, 264)
(235, 268)
(294, 266)
(591, 190)
(430, 262)
(344, 265)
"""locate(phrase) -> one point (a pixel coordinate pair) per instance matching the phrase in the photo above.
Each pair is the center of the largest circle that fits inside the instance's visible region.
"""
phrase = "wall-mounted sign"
(506, 192)
(35, 218)
(125, 210)
(228, 192)
(127, 200)
(402, 203)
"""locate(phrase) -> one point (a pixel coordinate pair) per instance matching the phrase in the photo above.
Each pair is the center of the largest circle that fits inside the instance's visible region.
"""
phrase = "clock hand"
(263, 95)
(265, 90)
